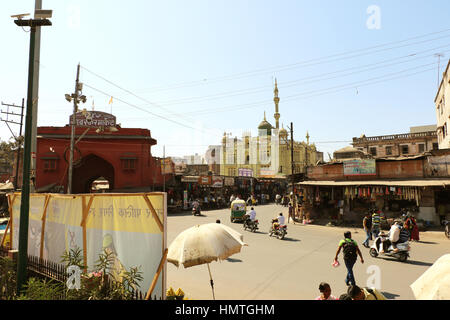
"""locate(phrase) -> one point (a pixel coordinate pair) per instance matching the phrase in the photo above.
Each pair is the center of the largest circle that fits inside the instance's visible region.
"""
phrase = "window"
(373, 151)
(128, 164)
(421, 147)
(388, 150)
(435, 146)
(50, 164)
(404, 149)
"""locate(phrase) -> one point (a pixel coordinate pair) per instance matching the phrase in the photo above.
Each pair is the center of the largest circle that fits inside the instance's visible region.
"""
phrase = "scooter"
(279, 231)
(401, 255)
(251, 225)
(196, 211)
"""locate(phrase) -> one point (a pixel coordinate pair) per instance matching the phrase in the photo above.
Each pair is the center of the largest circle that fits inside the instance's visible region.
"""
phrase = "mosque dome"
(265, 125)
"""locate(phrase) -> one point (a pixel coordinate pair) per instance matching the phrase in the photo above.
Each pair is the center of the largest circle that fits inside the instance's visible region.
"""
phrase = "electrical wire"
(297, 82)
(302, 63)
(145, 110)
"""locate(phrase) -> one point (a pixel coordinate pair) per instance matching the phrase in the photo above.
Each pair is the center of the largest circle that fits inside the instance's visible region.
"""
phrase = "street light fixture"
(40, 20)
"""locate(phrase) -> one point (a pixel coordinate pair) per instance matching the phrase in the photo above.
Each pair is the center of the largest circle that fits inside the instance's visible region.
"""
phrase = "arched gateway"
(90, 168)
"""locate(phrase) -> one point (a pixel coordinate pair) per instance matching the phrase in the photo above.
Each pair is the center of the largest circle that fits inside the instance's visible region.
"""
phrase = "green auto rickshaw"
(238, 210)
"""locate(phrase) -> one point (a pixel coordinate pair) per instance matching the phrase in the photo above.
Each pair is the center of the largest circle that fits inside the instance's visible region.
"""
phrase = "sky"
(191, 70)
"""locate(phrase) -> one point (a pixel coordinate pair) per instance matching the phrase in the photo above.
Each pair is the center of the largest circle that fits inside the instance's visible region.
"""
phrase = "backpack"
(349, 250)
(404, 235)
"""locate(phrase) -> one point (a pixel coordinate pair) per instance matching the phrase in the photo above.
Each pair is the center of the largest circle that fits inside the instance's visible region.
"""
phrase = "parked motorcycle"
(279, 231)
(251, 225)
(403, 249)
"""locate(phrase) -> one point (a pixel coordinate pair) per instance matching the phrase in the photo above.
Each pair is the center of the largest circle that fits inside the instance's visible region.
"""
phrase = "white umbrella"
(203, 244)
(434, 284)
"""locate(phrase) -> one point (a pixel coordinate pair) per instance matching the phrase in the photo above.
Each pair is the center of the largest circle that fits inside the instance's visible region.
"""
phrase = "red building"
(122, 156)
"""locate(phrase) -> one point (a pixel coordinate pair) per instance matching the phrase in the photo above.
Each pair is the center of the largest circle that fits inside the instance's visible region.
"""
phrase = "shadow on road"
(426, 242)
(390, 296)
(419, 263)
(233, 260)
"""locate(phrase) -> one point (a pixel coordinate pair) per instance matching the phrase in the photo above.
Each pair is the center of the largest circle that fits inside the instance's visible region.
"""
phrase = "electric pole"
(164, 168)
(439, 55)
(35, 90)
(18, 139)
(294, 204)
(77, 97)
(22, 260)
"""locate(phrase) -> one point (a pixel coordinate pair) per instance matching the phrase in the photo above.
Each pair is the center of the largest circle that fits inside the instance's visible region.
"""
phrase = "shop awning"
(396, 183)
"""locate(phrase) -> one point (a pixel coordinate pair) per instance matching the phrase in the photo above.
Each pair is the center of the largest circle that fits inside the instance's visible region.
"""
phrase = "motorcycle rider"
(251, 215)
(196, 205)
(279, 221)
(394, 237)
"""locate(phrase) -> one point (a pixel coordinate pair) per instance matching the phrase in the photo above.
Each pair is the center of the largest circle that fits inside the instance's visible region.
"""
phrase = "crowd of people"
(354, 292)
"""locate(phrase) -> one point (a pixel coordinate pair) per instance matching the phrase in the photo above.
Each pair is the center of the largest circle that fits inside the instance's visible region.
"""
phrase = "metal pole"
(72, 132)
(164, 168)
(16, 180)
(25, 195)
(35, 90)
(294, 202)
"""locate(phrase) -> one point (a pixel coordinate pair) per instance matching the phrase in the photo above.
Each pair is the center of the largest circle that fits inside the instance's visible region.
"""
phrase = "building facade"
(443, 110)
(267, 155)
(121, 156)
(417, 141)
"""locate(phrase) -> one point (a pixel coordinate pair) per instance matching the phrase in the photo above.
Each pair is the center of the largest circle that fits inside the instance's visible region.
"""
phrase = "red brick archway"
(91, 168)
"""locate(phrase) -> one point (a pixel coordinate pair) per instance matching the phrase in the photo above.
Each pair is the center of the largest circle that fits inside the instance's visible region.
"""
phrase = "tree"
(8, 153)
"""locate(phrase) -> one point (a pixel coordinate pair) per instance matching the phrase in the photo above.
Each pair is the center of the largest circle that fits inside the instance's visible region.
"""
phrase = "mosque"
(267, 155)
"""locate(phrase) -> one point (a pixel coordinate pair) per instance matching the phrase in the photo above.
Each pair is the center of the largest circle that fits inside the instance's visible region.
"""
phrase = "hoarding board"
(130, 228)
(359, 167)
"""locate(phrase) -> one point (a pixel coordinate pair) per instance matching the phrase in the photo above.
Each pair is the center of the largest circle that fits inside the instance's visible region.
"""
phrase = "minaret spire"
(276, 100)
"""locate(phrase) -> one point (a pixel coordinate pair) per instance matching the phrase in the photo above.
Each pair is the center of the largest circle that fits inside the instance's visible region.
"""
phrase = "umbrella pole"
(211, 281)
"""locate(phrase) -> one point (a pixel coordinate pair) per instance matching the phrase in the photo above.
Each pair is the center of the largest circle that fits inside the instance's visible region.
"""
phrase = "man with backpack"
(367, 225)
(351, 250)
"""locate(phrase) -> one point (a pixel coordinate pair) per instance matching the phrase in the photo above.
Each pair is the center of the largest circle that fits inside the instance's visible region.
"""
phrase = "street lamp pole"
(25, 194)
(72, 132)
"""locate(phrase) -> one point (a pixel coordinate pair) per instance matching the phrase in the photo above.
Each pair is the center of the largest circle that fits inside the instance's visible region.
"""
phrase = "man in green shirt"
(350, 249)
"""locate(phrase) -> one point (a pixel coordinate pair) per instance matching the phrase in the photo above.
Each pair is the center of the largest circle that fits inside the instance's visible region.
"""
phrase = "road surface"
(291, 269)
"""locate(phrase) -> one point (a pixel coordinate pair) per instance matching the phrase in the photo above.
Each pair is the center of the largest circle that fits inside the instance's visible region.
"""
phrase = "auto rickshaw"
(238, 210)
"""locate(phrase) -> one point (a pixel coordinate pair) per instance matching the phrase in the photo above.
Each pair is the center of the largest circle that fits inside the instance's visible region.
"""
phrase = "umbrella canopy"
(434, 284)
(204, 244)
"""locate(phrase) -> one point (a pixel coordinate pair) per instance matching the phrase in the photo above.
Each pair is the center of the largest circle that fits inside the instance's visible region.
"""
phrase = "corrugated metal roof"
(399, 183)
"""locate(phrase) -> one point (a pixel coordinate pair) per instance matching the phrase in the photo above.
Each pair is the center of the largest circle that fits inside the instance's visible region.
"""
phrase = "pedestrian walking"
(325, 292)
(350, 250)
(367, 225)
(376, 223)
(291, 213)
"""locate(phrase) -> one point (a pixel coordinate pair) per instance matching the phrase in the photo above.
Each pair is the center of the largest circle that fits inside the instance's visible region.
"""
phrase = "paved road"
(272, 269)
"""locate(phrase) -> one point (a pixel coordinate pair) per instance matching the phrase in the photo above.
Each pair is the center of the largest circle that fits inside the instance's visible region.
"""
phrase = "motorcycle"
(251, 225)
(196, 211)
(446, 223)
(401, 255)
(279, 231)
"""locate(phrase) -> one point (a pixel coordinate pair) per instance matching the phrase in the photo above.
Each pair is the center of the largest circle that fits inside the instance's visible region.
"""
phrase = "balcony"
(393, 137)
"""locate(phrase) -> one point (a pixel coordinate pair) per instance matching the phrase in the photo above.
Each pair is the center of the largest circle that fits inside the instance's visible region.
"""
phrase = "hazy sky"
(344, 68)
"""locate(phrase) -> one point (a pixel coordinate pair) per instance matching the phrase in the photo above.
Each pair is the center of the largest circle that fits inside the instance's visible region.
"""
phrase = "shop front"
(350, 200)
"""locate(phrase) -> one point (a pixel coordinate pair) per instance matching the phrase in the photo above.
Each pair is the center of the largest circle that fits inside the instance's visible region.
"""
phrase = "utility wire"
(308, 94)
(304, 63)
(145, 110)
(297, 82)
